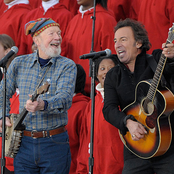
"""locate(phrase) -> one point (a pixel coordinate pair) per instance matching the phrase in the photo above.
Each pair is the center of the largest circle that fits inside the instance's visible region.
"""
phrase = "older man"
(47, 9)
(45, 145)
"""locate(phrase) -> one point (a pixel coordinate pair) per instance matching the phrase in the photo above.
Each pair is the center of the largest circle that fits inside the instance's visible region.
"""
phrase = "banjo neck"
(18, 122)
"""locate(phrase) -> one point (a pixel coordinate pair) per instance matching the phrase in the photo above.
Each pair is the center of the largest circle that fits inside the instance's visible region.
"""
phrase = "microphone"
(106, 52)
(5, 59)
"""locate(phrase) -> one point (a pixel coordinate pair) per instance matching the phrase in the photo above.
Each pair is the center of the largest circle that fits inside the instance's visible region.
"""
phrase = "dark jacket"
(120, 87)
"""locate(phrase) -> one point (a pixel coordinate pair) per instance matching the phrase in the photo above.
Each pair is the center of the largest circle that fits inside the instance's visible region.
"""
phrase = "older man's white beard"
(50, 52)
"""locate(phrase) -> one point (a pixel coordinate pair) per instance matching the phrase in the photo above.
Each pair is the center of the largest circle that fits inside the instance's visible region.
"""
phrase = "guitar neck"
(19, 120)
(157, 77)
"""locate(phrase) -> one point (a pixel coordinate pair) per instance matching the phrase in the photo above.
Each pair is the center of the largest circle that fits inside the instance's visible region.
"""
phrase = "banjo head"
(12, 139)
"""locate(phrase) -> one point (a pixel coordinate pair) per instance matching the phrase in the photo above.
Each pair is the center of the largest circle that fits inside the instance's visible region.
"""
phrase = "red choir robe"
(58, 13)
(3, 7)
(35, 3)
(134, 9)
(120, 8)
(107, 146)
(71, 5)
(75, 117)
(14, 109)
(79, 37)
(11, 21)
(157, 18)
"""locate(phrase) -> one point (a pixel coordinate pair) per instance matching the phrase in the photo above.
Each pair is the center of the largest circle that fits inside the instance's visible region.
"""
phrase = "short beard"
(50, 52)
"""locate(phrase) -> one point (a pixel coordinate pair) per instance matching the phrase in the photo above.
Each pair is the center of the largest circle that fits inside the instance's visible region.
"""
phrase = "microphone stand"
(92, 71)
(91, 158)
(3, 161)
(3, 64)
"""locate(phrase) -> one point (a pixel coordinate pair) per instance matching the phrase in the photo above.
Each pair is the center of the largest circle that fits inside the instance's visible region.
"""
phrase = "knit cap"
(37, 26)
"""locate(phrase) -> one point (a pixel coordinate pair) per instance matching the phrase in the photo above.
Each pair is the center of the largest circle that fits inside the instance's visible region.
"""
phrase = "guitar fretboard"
(157, 77)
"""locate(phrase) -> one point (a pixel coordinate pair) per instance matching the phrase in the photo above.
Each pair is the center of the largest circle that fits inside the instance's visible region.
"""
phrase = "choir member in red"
(48, 9)
(157, 18)
(76, 115)
(12, 18)
(120, 8)
(79, 33)
(71, 5)
(107, 145)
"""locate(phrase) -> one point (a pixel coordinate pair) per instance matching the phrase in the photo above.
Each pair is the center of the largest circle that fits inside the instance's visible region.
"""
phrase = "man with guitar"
(139, 100)
(44, 146)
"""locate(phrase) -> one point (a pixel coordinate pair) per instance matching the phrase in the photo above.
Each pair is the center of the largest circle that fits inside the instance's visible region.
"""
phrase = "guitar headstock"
(43, 89)
(171, 34)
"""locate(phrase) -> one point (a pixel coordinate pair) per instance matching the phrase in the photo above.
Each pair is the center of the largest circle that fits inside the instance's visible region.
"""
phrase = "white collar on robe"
(15, 2)
(100, 89)
(48, 4)
(83, 11)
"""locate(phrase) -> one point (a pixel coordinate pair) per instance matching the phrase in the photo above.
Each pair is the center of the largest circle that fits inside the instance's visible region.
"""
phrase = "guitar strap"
(153, 64)
(43, 76)
(42, 79)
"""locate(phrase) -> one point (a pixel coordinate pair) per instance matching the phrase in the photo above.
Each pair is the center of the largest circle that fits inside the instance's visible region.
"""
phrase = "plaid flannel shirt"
(25, 73)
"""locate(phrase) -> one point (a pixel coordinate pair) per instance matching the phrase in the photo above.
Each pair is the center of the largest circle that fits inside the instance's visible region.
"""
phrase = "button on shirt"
(25, 73)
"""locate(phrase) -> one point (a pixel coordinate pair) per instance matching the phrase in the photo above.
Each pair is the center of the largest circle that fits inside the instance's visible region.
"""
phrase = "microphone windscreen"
(108, 52)
(15, 49)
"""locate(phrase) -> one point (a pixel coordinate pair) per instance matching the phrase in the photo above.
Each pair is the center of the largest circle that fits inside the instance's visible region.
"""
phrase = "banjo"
(13, 134)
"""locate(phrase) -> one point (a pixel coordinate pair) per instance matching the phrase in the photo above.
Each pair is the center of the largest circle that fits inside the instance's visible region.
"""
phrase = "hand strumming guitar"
(136, 129)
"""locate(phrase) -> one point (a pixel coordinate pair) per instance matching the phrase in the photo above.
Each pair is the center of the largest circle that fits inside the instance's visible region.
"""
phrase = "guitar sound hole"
(148, 107)
(150, 111)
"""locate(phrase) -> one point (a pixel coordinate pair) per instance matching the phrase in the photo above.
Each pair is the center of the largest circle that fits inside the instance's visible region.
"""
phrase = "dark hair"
(140, 33)
(7, 42)
(80, 79)
(98, 61)
(103, 3)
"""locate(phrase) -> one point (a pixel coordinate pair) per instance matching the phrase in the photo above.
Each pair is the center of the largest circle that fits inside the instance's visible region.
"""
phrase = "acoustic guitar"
(152, 108)
(13, 134)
